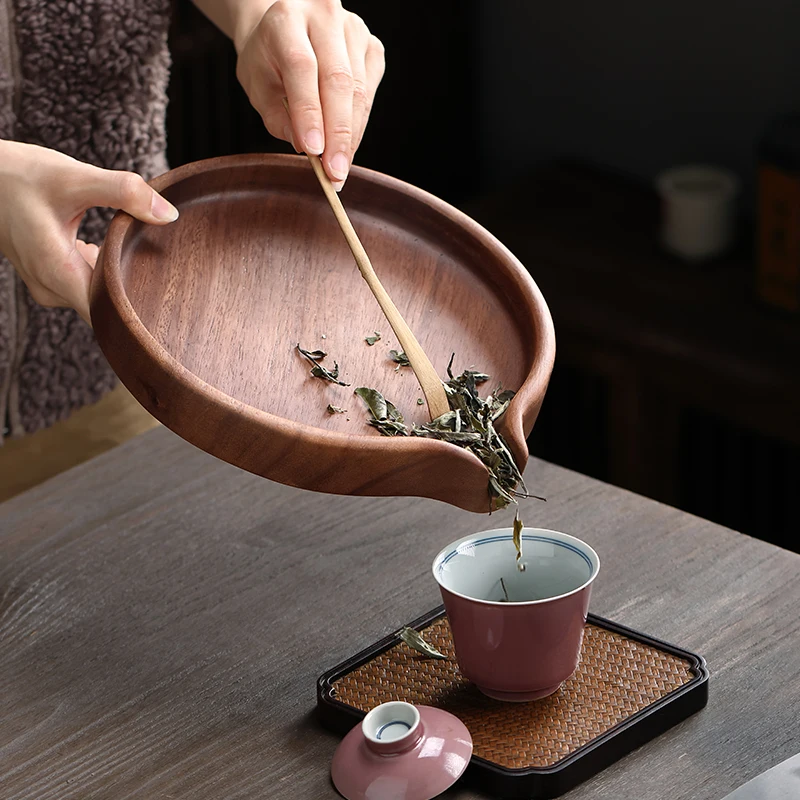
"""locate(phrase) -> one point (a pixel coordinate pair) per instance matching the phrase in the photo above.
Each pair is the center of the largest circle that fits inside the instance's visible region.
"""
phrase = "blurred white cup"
(698, 210)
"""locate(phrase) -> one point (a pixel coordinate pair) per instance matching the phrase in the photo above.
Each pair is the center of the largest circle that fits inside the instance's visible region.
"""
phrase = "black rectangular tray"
(628, 689)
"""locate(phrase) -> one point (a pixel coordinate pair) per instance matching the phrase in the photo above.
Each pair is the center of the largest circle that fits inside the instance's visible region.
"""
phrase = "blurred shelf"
(674, 344)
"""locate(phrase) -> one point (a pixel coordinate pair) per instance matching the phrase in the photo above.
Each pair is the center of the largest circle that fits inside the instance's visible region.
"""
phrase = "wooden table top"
(164, 618)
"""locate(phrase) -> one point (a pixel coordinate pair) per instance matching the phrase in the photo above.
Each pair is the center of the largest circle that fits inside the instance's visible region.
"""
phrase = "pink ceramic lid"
(401, 752)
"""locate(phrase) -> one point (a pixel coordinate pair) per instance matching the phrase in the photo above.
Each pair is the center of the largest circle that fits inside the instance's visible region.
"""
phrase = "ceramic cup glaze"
(401, 752)
(517, 634)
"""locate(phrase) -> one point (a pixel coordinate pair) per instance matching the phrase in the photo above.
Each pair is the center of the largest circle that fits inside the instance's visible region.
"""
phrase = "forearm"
(235, 18)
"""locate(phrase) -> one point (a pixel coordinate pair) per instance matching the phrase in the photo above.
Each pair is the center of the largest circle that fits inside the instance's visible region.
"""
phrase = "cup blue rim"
(528, 534)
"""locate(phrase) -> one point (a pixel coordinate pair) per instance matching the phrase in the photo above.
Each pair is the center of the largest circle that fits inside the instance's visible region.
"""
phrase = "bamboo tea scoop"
(429, 381)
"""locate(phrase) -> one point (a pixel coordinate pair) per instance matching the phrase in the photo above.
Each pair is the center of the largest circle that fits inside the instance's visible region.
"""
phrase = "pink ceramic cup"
(523, 647)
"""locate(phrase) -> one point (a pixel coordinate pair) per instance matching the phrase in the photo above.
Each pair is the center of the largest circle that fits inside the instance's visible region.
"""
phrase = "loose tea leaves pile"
(468, 424)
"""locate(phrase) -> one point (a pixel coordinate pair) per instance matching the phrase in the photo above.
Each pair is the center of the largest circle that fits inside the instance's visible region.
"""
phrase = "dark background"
(548, 123)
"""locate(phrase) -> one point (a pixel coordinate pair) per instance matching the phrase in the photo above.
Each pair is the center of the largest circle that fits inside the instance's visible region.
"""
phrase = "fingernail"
(162, 209)
(339, 166)
(314, 142)
(337, 185)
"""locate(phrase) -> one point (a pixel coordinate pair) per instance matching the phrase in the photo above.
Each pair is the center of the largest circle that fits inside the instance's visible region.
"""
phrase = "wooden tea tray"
(628, 688)
(200, 320)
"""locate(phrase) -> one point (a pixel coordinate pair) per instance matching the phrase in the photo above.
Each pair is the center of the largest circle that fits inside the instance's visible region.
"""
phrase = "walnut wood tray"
(200, 319)
(628, 689)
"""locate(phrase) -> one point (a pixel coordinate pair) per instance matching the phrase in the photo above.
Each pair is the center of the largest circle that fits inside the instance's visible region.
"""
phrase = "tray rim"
(116, 320)
(553, 780)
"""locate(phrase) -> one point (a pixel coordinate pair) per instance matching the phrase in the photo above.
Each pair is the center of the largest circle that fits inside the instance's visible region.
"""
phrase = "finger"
(273, 113)
(129, 192)
(375, 63)
(88, 251)
(73, 282)
(288, 135)
(357, 40)
(259, 75)
(297, 63)
(68, 278)
(336, 95)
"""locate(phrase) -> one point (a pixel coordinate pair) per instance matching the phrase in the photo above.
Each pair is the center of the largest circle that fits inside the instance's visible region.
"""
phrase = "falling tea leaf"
(517, 535)
(335, 409)
(318, 371)
(370, 340)
(415, 641)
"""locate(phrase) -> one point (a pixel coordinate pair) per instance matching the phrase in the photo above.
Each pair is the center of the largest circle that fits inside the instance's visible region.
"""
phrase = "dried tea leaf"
(312, 355)
(374, 400)
(318, 371)
(420, 401)
(505, 592)
(335, 409)
(446, 422)
(498, 402)
(394, 414)
(501, 496)
(498, 409)
(517, 535)
(401, 359)
(415, 641)
(370, 340)
(447, 428)
(385, 416)
(461, 438)
(389, 428)
(329, 375)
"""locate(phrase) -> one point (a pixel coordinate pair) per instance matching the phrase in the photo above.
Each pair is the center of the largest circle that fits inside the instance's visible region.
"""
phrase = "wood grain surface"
(429, 380)
(164, 617)
(200, 320)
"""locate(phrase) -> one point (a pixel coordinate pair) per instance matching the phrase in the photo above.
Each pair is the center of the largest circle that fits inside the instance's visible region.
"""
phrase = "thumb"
(129, 192)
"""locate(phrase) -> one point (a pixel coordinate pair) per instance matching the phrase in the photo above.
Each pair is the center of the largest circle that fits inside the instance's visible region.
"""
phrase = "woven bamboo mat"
(616, 678)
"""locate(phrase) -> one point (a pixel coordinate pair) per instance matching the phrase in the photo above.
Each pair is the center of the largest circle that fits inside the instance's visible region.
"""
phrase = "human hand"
(43, 197)
(327, 65)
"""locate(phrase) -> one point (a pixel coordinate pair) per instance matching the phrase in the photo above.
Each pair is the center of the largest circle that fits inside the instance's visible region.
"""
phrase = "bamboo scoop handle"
(429, 381)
